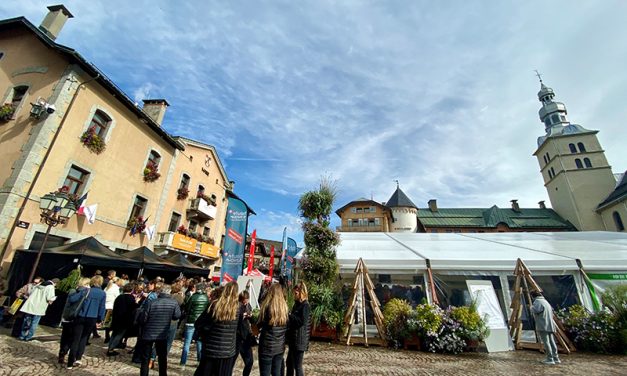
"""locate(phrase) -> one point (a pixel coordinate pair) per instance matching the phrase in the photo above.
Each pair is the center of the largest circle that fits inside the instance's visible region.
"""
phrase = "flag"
(81, 204)
(271, 267)
(150, 231)
(283, 252)
(234, 244)
(292, 250)
(251, 255)
(90, 213)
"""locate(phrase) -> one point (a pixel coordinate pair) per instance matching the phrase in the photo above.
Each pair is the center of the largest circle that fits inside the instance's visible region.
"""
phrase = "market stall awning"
(150, 260)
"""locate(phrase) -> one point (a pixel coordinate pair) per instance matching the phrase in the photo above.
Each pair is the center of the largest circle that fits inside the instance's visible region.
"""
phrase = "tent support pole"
(434, 296)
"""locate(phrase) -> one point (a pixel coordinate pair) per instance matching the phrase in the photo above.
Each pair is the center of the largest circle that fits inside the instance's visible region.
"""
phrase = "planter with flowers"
(6, 112)
(207, 239)
(151, 172)
(182, 193)
(182, 230)
(93, 141)
(138, 223)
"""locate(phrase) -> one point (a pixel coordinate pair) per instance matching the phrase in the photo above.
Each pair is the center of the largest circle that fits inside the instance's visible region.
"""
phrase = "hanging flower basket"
(92, 141)
(182, 193)
(137, 223)
(6, 112)
(151, 172)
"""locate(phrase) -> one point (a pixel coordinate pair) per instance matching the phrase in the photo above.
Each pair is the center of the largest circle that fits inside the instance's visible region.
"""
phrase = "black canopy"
(188, 267)
(150, 261)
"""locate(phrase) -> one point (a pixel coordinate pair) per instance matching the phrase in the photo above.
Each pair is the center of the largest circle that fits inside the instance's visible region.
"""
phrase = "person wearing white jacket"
(41, 296)
(112, 291)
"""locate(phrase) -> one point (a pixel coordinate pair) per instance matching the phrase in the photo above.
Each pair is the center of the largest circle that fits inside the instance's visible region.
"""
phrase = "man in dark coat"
(122, 317)
(155, 319)
(195, 305)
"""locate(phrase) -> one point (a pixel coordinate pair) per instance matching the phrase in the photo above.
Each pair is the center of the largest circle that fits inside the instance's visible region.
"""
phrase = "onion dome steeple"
(552, 114)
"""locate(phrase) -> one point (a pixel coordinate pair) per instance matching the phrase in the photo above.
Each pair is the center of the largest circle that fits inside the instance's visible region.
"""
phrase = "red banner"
(271, 267)
(251, 255)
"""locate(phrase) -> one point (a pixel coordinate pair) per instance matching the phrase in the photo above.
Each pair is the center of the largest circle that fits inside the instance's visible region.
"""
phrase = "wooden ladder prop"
(523, 286)
(363, 284)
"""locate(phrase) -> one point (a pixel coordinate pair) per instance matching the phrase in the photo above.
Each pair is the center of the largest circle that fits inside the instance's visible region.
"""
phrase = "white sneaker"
(549, 362)
(77, 363)
(557, 361)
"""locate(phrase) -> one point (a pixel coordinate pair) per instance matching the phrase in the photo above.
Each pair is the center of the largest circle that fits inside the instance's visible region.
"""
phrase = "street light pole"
(56, 208)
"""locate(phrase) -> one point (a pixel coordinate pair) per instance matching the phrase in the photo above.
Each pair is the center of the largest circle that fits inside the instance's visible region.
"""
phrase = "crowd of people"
(217, 319)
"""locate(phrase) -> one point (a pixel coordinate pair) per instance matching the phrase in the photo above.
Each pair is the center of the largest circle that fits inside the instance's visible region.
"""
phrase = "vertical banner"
(283, 252)
(292, 249)
(271, 267)
(235, 240)
(251, 254)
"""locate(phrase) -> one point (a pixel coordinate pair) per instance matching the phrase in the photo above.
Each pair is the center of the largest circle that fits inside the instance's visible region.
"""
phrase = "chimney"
(542, 205)
(515, 206)
(155, 108)
(433, 205)
(54, 20)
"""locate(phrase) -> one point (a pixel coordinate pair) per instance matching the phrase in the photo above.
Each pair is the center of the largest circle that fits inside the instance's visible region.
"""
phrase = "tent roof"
(188, 266)
(403, 252)
(150, 260)
(91, 251)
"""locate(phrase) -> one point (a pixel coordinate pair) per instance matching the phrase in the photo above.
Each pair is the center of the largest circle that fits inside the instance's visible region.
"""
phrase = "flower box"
(324, 331)
(6, 112)
(92, 141)
(151, 172)
(412, 342)
(182, 193)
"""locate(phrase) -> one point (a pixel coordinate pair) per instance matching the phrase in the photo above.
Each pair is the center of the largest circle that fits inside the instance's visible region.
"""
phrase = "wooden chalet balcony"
(359, 228)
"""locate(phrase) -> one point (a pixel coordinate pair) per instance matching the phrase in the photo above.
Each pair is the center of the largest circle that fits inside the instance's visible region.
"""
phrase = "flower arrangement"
(448, 339)
(595, 332)
(195, 235)
(151, 172)
(201, 194)
(207, 239)
(6, 111)
(182, 230)
(138, 223)
(396, 315)
(473, 328)
(182, 193)
(92, 141)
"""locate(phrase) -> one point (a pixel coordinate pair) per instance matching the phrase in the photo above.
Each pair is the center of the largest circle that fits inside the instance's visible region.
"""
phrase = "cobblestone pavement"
(39, 358)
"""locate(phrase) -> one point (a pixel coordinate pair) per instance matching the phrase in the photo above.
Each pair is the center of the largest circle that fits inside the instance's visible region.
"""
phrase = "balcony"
(182, 243)
(378, 228)
(201, 210)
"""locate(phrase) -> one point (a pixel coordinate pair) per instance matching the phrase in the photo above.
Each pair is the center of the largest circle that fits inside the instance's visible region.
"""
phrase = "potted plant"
(92, 141)
(396, 314)
(254, 318)
(6, 112)
(136, 225)
(151, 172)
(207, 239)
(182, 230)
(182, 193)
(473, 328)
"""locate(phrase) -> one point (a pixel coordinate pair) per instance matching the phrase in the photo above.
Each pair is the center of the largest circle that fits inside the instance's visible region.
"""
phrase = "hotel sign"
(182, 242)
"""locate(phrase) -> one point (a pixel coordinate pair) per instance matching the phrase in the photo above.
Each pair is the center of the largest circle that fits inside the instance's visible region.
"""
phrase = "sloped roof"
(359, 200)
(618, 194)
(150, 260)
(491, 217)
(400, 199)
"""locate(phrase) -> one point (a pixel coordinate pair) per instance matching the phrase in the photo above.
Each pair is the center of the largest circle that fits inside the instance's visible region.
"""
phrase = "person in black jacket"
(298, 331)
(155, 319)
(217, 329)
(273, 318)
(245, 338)
(122, 317)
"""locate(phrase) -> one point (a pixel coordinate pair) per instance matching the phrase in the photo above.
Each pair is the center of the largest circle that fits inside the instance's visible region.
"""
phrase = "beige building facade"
(364, 215)
(59, 112)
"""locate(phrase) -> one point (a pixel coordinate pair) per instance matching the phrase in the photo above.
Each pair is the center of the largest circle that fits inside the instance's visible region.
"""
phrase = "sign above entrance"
(182, 242)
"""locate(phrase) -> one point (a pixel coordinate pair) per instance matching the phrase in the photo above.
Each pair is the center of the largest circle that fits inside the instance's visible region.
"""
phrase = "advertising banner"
(182, 242)
(292, 249)
(271, 266)
(209, 250)
(235, 240)
(251, 254)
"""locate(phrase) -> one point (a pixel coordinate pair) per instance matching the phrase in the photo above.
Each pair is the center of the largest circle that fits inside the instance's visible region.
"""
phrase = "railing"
(378, 228)
(201, 209)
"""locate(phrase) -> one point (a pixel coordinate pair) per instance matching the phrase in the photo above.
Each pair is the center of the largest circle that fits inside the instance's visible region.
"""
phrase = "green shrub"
(396, 314)
(594, 332)
(71, 281)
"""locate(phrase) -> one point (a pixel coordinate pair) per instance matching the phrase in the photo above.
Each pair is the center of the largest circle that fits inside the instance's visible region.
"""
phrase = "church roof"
(618, 194)
(558, 131)
(492, 217)
(399, 199)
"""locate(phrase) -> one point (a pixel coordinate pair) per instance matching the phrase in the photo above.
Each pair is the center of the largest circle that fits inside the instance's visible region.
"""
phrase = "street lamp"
(56, 208)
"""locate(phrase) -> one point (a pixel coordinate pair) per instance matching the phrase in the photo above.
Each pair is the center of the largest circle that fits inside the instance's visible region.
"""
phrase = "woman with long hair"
(298, 330)
(273, 318)
(217, 328)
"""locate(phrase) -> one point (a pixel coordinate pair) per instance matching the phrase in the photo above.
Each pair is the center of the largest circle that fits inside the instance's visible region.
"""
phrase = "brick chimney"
(515, 206)
(155, 108)
(54, 20)
(433, 205)
(542, 205)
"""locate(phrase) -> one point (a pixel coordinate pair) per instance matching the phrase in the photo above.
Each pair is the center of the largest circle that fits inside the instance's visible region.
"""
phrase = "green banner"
(609, 276)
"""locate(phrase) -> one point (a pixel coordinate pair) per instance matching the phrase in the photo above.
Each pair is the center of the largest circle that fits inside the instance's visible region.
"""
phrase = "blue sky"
(439, 95)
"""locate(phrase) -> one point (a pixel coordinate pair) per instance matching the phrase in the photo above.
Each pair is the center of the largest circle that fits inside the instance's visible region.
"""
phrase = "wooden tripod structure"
(523, 286)
(363, 284)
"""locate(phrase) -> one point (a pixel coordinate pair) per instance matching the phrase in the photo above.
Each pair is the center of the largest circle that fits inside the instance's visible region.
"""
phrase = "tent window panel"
(453, 291)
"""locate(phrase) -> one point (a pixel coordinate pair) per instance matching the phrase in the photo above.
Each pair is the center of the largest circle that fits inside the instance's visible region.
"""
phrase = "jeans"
(295, 362)
(161, 345)
(116, 338)
(171, 335)
(83, 326)
(246, 351)
(270, 365)
(29, 326)
(188, 334)
(550, 348)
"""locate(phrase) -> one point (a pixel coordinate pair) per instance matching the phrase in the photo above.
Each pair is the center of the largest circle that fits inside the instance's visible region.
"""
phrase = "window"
(371, 222)
(75, 180)
(184, 181)
(587, 162)
(100, 122)
(192, 226)
(360, 210)
(572, 148)
(548, 157)
(618, 221)
(350, 223)
(555, 119)
(18, 94)
(563, 118)
(201, 190)
(581, 146)
(377, 222)
(175, 219)
(550, 175)
(545, 161)
(139, 207)
(353, 210)
(578, 163)
(553, 171)
(205, 231)
(1, 55)
(154, 158)
(373, 209)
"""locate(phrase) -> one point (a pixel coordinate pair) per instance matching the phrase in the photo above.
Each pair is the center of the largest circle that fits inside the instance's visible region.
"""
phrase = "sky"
(441, 96)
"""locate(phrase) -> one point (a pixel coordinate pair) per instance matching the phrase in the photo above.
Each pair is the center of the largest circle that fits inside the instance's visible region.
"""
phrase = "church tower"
(576, 174)
(404, 212)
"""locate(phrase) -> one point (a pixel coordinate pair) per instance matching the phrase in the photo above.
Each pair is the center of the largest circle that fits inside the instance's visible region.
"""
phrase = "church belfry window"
(587, 163)
(582, 148)
(572, 148)
(578, 163)
(618, 221)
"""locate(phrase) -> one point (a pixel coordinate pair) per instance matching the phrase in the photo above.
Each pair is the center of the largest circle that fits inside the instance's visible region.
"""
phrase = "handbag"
(71, 311)
(16, 306)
